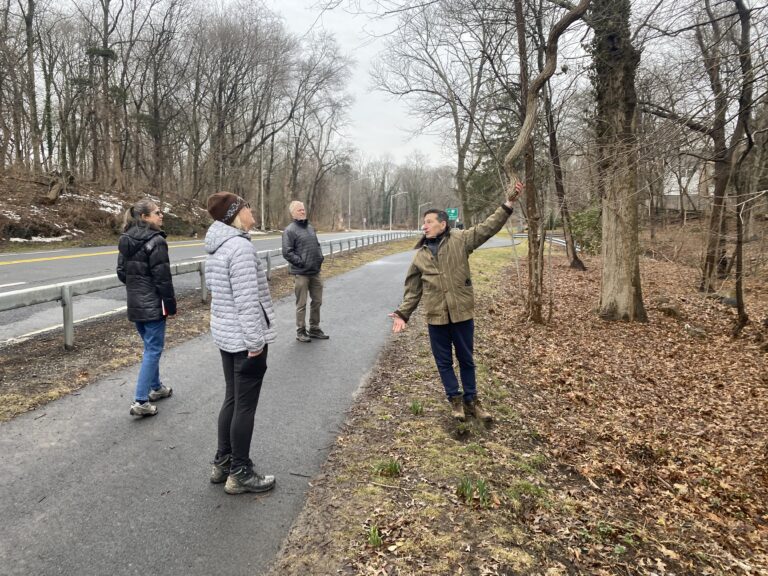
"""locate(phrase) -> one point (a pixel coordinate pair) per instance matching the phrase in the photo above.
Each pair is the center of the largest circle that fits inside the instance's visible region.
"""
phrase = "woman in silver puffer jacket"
(242, 326)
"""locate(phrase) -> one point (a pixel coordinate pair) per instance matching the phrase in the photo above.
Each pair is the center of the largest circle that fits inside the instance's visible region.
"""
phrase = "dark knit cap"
(224, 206)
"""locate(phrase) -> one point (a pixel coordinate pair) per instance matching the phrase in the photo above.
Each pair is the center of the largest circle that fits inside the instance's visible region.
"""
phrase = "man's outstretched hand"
(398, 324)
(516, 191)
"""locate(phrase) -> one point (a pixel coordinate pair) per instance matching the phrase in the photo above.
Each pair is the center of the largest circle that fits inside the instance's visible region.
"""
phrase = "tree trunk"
(16, 119)
(557, 169)
(268, 183)
(615, 64)
(34, 126)
(535, 264)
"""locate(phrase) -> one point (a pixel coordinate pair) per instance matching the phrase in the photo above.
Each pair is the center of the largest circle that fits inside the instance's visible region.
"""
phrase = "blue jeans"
(153, 335)
(444, 339)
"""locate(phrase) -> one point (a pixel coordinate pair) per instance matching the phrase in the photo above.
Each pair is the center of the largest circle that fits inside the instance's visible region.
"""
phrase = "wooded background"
(618, 115)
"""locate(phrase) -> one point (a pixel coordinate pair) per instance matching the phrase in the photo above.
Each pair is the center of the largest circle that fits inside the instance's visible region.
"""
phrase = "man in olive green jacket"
(440, 278)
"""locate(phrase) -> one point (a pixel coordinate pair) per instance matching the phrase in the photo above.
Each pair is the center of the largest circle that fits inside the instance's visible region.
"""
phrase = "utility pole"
(391, 198)
(261, 187)
(418, 213)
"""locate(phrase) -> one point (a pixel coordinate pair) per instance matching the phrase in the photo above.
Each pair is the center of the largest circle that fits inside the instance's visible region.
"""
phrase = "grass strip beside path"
(618, 448)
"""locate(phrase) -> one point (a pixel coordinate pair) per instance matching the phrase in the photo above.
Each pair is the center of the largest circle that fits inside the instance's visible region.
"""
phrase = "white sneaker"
(162, 392)
(143, 409)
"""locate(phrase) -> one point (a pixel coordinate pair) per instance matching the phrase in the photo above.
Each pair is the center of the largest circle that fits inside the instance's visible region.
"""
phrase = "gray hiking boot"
(302, 336)
(244, 479)
(162, 392)
(143, 409)
(220, 470)
(457, 408)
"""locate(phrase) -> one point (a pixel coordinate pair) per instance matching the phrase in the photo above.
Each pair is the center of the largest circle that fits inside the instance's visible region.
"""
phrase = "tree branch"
(531, 106)
(656, 110)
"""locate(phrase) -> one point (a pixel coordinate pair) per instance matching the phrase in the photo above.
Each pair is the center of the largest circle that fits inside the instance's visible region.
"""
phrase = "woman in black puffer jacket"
(143, 266)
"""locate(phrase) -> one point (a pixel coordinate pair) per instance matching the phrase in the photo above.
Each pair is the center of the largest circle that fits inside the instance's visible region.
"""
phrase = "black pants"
(243, 377)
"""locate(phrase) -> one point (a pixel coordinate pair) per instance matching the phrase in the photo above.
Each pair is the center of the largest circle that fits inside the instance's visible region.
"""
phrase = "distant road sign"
(453, 213)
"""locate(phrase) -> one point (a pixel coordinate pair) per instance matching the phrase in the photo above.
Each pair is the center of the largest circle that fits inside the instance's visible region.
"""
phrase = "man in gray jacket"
(302, 251)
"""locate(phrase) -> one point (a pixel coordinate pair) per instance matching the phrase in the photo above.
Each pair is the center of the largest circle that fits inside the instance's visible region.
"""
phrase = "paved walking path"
(85, 489)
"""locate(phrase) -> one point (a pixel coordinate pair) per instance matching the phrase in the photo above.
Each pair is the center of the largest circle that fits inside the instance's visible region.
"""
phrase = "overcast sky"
(378, 124)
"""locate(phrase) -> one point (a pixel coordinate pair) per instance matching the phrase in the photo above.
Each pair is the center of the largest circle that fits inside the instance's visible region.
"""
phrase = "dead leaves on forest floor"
(618, 448)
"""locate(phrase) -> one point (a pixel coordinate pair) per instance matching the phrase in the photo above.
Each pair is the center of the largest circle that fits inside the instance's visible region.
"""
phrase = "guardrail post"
(269, 265)
(203, 287)
(69, 323)
(330, 244)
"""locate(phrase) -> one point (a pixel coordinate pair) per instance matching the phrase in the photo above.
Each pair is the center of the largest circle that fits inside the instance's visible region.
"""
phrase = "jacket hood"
(133, 239)
(218, 233)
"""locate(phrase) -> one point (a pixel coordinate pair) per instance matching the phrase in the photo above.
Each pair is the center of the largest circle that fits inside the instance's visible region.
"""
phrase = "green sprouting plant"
(466, 489)
(475, 449)
(524, 489)
(604, 529)
(389, 468)
(619, 550)
(417, 408)
(629, 540)
(525, 497)
(483, 493)
(374, 538)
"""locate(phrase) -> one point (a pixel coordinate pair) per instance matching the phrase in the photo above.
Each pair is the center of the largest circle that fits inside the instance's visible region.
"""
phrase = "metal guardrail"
(64, 292)
(553, 238)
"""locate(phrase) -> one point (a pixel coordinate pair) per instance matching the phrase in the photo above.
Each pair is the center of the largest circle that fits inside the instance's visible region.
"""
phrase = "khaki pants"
(312, 286)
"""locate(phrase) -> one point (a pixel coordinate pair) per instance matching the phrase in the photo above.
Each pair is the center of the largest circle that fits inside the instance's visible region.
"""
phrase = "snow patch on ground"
(110, 204)
(105, 202)
(41, 239)
(11, 215)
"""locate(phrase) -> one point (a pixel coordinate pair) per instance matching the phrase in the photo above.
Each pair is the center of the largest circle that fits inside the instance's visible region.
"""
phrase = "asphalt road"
(85, 489)
(30, 269)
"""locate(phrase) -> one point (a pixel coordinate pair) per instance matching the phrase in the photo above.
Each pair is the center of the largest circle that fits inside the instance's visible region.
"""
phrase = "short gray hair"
(292, 206)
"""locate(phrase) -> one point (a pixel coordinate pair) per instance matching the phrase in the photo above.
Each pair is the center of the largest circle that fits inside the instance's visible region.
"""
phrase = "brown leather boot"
(475, 407)
(457, 408)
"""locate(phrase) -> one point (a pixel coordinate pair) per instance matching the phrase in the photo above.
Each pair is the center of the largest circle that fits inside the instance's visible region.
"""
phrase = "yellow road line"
(70, 256)
(49, 258)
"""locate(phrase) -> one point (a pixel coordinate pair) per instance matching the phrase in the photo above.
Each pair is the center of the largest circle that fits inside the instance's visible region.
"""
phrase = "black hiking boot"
(317, 333)
(220, 470)
(244, 479)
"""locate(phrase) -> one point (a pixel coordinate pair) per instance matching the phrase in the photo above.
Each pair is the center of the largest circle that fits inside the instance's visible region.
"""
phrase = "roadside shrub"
(587, 229)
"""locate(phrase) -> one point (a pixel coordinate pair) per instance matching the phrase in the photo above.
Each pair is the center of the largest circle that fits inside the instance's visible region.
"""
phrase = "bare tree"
(523, 143)
(438, 60)
(28, 14)
(716, 31)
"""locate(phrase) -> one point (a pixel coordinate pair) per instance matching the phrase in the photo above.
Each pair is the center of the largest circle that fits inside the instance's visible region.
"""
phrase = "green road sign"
(453, 213)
